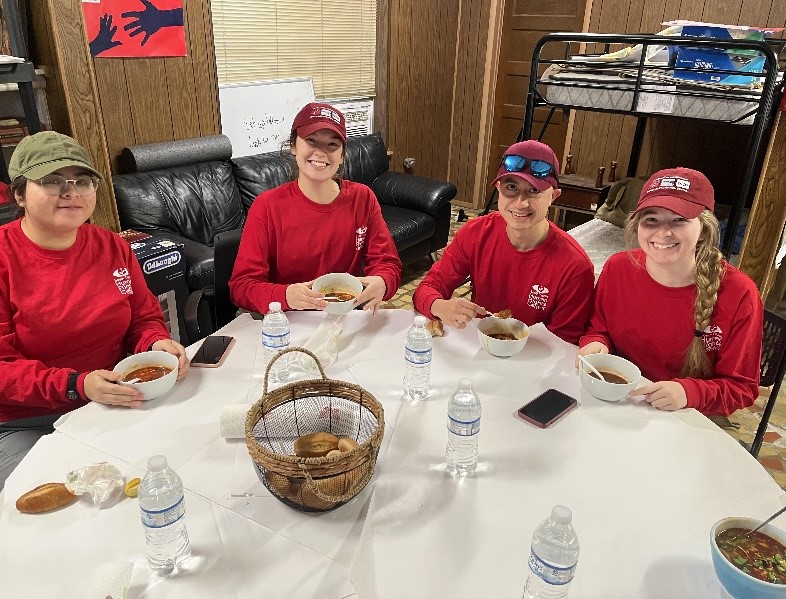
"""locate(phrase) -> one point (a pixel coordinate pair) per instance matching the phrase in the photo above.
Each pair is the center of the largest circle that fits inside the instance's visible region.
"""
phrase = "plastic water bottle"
(553, 558)
(275, 337)
(163, 516)
(461, 454)
(417, 360)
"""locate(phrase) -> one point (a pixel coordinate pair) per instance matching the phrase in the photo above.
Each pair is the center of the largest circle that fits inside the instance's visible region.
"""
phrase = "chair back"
(225, 249)
(773, 348)
(209, 309)
(773, 365)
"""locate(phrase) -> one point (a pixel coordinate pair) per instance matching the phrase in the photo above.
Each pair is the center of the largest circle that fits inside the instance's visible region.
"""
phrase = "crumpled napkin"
(109, 580)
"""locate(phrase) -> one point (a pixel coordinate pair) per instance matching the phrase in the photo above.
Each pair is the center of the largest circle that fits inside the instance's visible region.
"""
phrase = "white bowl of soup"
(621, 377)
(340, 290)
(753, 566)
(502, 337)
(156, 371)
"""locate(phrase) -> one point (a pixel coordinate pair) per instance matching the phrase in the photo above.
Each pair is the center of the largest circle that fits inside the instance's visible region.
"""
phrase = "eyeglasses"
(540, 169)
(55, 185)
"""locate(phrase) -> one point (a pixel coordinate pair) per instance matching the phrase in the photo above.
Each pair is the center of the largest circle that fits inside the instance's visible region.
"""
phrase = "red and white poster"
(135, 28)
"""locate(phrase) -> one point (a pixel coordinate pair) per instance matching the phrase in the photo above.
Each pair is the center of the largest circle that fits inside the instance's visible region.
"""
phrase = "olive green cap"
(38, 155)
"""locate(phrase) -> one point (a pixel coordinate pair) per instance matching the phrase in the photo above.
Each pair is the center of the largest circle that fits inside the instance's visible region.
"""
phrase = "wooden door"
(524, 23)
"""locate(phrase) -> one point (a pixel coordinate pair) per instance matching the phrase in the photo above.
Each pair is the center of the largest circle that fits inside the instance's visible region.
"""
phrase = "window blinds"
(333, 41)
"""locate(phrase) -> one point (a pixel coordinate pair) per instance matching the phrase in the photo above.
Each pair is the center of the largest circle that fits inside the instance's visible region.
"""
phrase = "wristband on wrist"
(72, 391)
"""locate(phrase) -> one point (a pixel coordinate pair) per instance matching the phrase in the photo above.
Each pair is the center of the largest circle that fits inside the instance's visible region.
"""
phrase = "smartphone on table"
(213, 351)
(547, 408)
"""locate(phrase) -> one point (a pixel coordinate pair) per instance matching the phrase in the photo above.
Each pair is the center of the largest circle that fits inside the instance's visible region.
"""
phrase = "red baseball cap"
(530, 150)
(315, 116)
(682, 190)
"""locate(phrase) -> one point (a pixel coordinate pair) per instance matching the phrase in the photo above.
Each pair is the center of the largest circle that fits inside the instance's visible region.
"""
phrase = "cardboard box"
(164, 267)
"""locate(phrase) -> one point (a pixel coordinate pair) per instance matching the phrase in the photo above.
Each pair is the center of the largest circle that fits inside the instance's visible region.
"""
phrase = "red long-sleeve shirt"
(552, 283)
(79, 309)
(290, 239)
(652, 325)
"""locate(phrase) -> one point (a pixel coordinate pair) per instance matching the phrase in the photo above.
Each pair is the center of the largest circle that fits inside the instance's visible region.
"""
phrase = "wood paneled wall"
(439, 87)
(109, 103)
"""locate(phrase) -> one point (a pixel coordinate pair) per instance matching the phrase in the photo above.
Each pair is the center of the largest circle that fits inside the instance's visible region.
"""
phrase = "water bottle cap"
(561, 514)
(421, 320)
(275, 307)
(464, 383)
(157, 463)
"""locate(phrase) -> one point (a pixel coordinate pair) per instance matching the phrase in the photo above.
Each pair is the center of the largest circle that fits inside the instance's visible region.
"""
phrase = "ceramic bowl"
(609, 391)
(737, 583)
(156, 387)
(338, 282)
(502, 348)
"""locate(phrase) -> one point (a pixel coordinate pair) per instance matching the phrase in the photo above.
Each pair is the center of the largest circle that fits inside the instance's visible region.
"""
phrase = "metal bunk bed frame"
(771, 88)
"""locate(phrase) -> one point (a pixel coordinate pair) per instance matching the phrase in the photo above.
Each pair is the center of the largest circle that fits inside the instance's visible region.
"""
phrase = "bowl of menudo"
(340, 291)
(152, 373)
(749, 565)
(620, 377)
(502, 337)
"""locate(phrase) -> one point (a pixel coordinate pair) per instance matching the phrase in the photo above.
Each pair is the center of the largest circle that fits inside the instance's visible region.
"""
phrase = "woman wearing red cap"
(690, 320)
(314, 225)
(517, 259)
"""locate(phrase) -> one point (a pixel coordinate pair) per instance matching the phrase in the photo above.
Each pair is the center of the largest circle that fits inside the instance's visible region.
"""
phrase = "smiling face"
(318, 155)
(524, 208)
(667, 238)
(55, 217)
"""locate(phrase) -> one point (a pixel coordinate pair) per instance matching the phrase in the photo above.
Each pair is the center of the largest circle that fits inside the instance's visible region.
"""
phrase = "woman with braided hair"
(691, 321)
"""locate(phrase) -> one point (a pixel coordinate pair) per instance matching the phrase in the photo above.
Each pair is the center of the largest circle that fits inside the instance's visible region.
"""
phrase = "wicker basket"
(284, 414)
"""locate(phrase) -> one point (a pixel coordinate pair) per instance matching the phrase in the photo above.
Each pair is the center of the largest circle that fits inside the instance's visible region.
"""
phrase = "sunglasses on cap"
(540, 169)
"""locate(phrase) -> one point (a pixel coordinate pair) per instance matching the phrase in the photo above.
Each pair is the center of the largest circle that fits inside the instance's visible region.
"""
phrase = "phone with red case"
(547, 408)
(213, 351)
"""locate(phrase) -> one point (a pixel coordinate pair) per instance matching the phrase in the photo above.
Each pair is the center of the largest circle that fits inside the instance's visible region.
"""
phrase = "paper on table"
(109, 580)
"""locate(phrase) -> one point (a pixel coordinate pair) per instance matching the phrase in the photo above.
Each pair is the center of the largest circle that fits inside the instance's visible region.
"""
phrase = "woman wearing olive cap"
(73, 299)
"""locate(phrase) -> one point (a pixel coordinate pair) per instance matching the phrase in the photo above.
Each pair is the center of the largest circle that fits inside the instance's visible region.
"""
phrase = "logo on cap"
(677, 183)
(327, 113)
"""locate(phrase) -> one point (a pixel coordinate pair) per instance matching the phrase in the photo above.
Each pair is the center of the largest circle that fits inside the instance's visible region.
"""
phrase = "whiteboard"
(257, 116)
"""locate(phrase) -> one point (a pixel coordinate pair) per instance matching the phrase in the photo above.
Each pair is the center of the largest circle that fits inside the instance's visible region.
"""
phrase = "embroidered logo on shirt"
(123, 281)
(360, 237)
(712, 337)
(538, 297)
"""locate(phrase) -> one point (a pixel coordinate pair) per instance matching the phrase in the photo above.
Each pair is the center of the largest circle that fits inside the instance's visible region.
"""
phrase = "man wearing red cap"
(689, 320)
(517, 259)
(314, 225)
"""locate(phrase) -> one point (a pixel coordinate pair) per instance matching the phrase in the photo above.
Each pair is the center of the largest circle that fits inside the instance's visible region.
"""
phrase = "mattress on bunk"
(614, 92)
(600, 239)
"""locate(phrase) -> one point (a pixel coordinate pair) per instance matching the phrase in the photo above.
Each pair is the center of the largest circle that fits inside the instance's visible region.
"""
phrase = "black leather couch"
(190, 199)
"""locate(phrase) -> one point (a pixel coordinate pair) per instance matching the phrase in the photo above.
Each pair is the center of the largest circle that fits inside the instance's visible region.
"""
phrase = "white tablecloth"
(644, 486)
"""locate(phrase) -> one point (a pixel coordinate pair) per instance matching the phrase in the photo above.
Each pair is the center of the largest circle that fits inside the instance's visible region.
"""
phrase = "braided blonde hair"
(710, 268)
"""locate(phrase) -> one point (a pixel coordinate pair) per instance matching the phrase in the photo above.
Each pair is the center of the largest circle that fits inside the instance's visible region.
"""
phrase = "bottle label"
(549, 573)
(463, 429)
(275, 341)
(165, 517)
(417, 356)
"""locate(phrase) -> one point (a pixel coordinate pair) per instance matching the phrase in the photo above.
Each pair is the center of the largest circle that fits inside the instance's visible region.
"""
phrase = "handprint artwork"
(135, 28)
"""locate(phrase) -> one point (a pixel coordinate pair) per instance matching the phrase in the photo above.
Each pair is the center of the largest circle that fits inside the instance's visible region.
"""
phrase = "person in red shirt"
(687, 318)
(312, 226)
(73, 299)
(517, 259)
